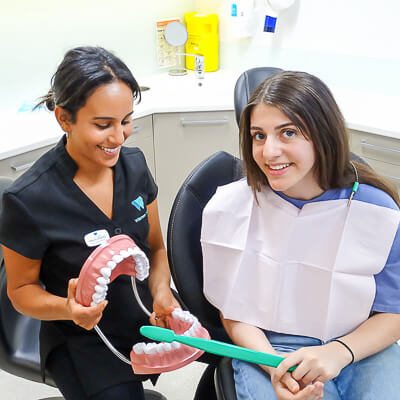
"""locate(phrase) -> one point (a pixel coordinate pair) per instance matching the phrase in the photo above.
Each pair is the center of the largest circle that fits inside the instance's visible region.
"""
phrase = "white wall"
(34, 35)
(347, 43)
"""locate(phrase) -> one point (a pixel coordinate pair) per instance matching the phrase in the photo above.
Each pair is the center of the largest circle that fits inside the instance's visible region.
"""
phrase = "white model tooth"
(93, 303)
(141, 277)
(160, 348)
(186, 333)
(102, 281)
(175, 345)
(130, 251)
(195, 326)
(98, 297)
(106, 272)
(136, 251)
(100, 289)
(138, 348)
(124, 253)
(167, 346)
(150, 348)
(175, 313)
(179, 313)
(188, 317)
(117, 258)
(111, 265)
(191, 331)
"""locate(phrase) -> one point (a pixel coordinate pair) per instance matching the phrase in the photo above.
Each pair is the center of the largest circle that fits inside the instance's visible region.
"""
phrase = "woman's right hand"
(85, 317)
(288, 388)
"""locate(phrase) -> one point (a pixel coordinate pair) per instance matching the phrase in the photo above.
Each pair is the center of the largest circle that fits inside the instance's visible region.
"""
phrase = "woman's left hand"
(314, 363)
(164, 303)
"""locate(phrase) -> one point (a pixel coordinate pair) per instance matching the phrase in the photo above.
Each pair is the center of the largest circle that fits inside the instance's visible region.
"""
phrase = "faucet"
(198, 64)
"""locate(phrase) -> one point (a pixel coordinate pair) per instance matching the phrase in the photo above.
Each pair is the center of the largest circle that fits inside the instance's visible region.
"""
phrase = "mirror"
(176, 35)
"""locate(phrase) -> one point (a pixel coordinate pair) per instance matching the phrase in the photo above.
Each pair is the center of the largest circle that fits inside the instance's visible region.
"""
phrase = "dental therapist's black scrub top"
(46, 216)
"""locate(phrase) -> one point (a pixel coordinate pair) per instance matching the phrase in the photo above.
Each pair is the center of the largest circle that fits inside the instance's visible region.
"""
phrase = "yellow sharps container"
(202, 39)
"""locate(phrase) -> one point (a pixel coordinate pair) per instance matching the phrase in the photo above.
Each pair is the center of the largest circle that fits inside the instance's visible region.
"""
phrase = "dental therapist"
(87, 185)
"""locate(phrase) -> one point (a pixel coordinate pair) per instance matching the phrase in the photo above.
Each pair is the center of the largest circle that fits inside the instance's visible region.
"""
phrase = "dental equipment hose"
(104, 338)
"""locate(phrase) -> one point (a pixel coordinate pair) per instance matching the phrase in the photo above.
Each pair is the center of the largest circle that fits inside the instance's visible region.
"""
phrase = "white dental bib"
(307, 272)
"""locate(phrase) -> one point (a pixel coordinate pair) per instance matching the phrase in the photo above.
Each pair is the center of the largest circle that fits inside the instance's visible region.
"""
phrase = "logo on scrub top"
(138, 203)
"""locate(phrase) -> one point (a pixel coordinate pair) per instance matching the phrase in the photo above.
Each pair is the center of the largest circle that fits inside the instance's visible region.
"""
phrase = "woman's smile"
(110, 151)
(278, 169)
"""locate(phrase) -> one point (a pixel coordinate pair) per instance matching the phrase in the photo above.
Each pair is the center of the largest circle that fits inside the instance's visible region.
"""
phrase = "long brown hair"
(310, 106)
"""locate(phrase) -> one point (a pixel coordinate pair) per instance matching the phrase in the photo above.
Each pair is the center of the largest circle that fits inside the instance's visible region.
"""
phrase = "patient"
(87, 187)
(311, 253)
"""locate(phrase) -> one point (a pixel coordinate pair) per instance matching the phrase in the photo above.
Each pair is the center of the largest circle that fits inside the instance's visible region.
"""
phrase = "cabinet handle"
(204, 122)
(135, 129)
(394, 178)
(18, 168)
(364, 143)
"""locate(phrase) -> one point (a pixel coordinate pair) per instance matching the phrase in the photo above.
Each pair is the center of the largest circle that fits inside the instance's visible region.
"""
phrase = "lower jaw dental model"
(120, 255)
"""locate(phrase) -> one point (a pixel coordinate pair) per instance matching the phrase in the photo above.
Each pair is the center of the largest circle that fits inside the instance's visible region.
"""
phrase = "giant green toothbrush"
(212, 346)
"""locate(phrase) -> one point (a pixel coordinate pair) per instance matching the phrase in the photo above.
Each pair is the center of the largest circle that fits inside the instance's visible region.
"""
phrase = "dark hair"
(80, 73)
(310, 106)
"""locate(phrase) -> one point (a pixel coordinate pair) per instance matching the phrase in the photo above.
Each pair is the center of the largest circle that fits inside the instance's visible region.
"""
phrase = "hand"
(85, 317)
(164, 303)
(314, 363)
(288, 389)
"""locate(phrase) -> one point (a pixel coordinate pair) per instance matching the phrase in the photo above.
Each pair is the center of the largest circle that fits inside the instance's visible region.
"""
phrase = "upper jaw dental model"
(120, 255)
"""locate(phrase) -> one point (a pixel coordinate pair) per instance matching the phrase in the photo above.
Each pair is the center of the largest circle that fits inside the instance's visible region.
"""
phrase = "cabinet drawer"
(181, 142)
(389, 171)
(15, 166)
(376, 147)
(142, 127)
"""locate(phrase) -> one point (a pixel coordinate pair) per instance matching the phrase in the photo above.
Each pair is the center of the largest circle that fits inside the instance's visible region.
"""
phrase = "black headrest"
(246, 84)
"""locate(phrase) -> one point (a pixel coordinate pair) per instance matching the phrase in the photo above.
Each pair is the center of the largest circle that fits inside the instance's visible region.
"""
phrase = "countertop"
(363, 111)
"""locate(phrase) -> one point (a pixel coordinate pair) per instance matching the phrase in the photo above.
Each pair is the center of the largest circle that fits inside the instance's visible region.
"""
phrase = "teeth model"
(154, 358)
(118, 256)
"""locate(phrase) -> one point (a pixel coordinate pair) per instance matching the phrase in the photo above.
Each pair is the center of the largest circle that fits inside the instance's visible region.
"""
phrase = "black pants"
(62, 370)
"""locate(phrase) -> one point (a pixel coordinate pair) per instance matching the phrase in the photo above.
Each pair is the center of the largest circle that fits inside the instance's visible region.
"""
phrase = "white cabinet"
(382, 153)
(181, 142)
(15, 166)
(142, 137)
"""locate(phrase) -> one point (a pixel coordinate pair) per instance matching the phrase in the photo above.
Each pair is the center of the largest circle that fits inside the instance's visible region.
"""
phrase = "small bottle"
(199, 66)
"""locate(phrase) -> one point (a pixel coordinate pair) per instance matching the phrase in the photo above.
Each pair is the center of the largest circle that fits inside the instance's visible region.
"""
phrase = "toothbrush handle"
(232, 351)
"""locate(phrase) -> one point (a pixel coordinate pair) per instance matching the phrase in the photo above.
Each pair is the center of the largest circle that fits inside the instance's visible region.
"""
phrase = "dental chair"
(19, 334)
(184, 249)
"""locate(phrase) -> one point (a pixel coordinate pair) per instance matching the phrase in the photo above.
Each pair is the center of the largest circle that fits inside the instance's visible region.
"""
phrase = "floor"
(176, 385)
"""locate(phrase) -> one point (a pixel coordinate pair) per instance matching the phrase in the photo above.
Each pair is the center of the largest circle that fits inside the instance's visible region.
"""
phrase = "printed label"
(97, 237)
